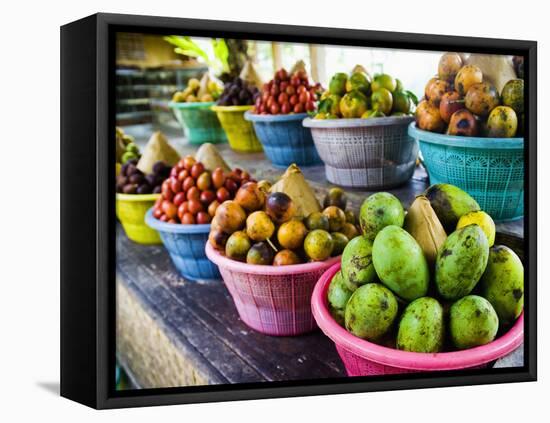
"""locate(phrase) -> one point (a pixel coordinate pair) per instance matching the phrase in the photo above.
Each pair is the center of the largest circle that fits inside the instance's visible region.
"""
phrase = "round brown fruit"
(217, 238)
(450, 103)
(175, 185)
(291, 234)
(481, 99)
(231, 185)
(463, 123)
(318, 245)
(336, 218)
(179, 198)
(428, 117)
(230, 216)
(350, 216)
(260, 253)
(466, 77)
(193, 193)
(188, 183)
(317, 220)
(449, 65)
(435, 90)
(197, 169)
(286, 258)
(259, 226)
(182, 209)
(279, 207)
(340, 241)
(169, 209)
(188, 219)
(237, 246)
(195, 206)
(250, 197)
(336, 197)
(349, 230)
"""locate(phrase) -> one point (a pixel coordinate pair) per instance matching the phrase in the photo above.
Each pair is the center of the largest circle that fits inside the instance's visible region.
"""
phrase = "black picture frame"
(88, 209)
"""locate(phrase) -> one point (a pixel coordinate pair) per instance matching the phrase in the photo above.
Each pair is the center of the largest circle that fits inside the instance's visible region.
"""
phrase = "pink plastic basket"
(363, 358)
(275, 300)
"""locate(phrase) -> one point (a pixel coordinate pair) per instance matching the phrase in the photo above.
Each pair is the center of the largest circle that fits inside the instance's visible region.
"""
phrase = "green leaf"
(186, 46)
(413, 97)
(221, 51)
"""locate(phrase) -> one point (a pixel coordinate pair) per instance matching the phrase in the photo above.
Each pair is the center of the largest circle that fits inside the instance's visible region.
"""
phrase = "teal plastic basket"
(199, 123)
(490, 169)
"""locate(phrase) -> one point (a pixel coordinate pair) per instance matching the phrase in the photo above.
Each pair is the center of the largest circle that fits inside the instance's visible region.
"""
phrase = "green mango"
(370, 311)
(358, 81)
(502, 284)
(378, 211)
(472, 322)
(357, 267)
(450, 203)
(461, 261)
(337, 84)
(421, 327)
(338, 296)
(400, 263)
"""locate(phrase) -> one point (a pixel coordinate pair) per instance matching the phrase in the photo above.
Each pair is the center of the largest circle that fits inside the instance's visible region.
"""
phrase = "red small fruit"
(174, 172)
(204, 181)
(179, 198)
(293, 100)
(207, 197)
(167, 193)
(212, 207)
(188, 219)
(164, 218)
(283, 98)
(218, 178)
(304, 97)
(169, 209)
(203, 218)
(231, 185)
(283, 86)
(175, 185)
(290, 90)
(197, 169)
(286, 108)
(188, 162)
(188, 183)
(193, 193)
(310, 106)
(182, 209)
(157, 213)
(275, 90)
(301, 89)
(295, 81)
(195, 206)
(274, 109)
(222, 195)
(299, 108)
(183, 174)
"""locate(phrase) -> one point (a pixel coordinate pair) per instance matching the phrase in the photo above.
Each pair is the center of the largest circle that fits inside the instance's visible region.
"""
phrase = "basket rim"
(269, 270)
(137, 197)
(469, 142)
(357, 122)
(253, 117)
(193, 105)
(404, 359)
(175, 228)
(243, 108)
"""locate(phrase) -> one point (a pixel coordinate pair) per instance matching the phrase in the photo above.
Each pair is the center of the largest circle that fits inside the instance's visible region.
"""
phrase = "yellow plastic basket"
(130, 210)
(240, 132)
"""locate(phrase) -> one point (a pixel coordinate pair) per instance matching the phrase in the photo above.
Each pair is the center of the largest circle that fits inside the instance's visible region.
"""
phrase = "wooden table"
(172, 332)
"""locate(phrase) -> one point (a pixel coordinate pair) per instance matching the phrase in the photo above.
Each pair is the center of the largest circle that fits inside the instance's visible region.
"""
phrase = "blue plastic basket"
(185, 244)
(284, 139)
(199, 123)
(490, 169)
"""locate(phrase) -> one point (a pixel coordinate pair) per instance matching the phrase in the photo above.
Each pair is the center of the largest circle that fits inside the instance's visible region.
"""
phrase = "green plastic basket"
(490, 169)
(199, 123)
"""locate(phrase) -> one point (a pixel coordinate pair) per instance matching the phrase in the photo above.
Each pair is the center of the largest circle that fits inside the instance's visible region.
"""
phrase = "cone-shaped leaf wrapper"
(157, 150)
(211, 158)
(249, 74)
(422, 223)
(293, 184)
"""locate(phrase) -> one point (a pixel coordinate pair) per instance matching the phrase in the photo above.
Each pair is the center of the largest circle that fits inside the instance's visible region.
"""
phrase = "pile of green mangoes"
(126, 148)
(391, 291)
(357, 95)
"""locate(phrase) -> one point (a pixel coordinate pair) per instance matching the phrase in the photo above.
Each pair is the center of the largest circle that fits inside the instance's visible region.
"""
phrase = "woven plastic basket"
(365, 153)
(199, 123)
(275, 300)
(364, 358)
(490, 169)
(185, 244)
(130, 210)
(284, 139)
(240, 132)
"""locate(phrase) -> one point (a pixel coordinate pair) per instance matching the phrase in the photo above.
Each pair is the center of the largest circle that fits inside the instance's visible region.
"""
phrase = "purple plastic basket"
(185, 244)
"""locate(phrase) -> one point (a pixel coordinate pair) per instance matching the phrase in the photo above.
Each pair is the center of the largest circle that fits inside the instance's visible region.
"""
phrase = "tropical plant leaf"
(412, 96)
(221, 52)
(186, 46)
